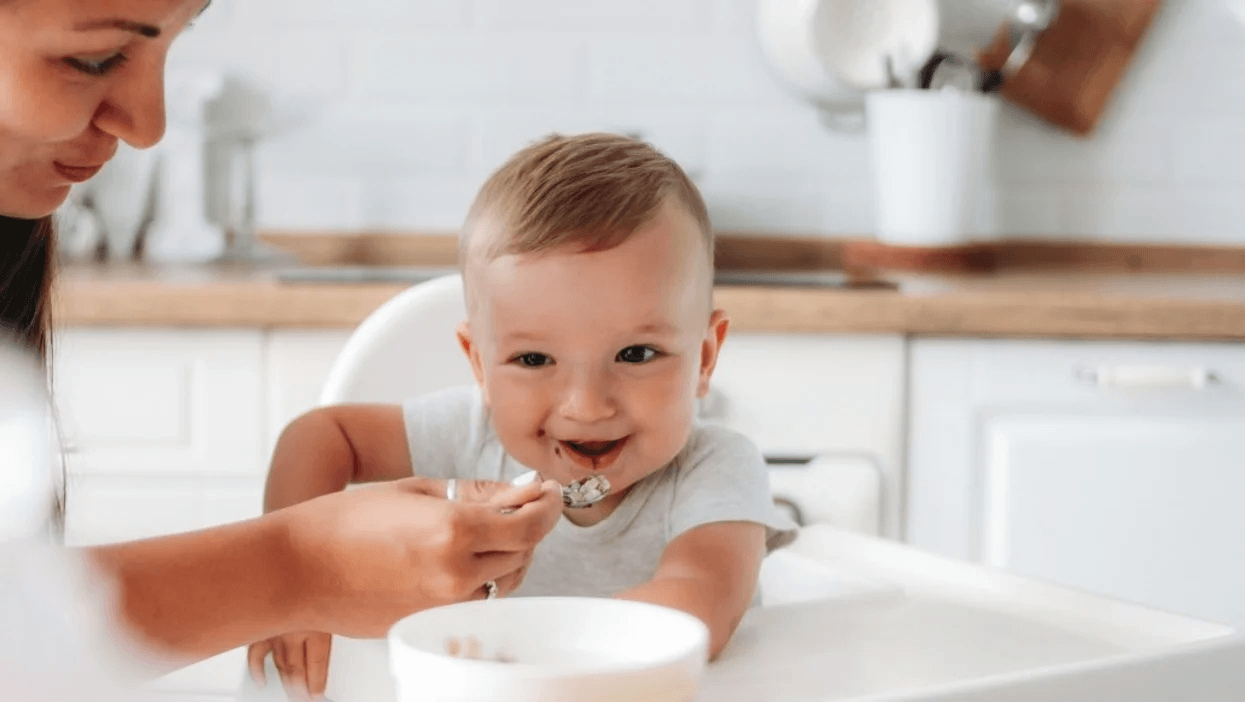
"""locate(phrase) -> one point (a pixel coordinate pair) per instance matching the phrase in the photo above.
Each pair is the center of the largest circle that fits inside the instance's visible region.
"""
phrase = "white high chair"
(407, 347)
(857, 611)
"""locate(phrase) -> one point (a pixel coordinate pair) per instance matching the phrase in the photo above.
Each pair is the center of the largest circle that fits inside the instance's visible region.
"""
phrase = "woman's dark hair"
(27, 266)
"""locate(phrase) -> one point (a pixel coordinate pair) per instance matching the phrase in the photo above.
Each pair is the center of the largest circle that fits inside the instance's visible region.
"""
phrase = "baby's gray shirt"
(719, 476)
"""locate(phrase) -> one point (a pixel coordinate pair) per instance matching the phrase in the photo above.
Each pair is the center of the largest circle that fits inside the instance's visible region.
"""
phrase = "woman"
(75, 78)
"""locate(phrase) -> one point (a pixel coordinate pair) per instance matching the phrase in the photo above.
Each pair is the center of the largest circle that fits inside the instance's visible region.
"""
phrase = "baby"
(591, 332)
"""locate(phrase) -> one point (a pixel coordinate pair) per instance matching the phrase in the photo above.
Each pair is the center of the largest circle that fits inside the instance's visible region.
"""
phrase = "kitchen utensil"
(1027, 21)
(1077, 62)
(581, 493)
(548, 649)
(245, 112)
(953, 72)
(931, 154)
(123, 195)
(79, 234)
(182, 231)
(786, 32)
(855, 38)
(238, 215)
(971, 26)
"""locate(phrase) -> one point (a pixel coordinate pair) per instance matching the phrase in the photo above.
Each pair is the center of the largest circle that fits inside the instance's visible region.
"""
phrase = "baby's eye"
(95, 65)
(636, 354)
(533, 360)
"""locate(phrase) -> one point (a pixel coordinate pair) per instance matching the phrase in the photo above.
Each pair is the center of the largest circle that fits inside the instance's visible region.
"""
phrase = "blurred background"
(1051, 381)
(422, 99)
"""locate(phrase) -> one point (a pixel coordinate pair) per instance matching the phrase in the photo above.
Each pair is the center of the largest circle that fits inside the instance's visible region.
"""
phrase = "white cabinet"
(161, 402)
(826, 395)
(163, 433)
(1114, 467)
(296, 365)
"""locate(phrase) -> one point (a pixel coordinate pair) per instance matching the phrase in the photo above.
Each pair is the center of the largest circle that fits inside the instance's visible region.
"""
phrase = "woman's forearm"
(197, 594)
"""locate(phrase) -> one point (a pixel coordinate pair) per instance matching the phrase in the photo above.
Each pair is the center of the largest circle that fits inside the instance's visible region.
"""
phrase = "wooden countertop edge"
(250, 304)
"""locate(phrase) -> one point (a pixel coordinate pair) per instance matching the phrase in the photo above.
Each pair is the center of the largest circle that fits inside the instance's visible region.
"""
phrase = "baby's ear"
(715, 336)
(472, 351)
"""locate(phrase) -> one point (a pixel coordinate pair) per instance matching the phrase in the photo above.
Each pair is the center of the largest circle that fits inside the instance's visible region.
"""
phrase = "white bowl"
(556, 649)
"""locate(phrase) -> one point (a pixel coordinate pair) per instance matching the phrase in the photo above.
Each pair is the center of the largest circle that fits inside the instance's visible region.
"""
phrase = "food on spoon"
(584, 492)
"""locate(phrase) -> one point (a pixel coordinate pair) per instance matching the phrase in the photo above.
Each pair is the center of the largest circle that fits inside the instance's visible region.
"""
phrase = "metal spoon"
(582, 493)
(1029, 19)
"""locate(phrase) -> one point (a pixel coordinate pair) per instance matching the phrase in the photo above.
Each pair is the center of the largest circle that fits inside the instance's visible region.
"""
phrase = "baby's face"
(591, 363)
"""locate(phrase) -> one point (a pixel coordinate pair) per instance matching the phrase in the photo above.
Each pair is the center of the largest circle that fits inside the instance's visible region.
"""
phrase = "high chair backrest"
(407, 347)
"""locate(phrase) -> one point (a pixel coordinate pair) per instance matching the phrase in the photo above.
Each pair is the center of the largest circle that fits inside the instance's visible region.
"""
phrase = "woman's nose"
(133, 111)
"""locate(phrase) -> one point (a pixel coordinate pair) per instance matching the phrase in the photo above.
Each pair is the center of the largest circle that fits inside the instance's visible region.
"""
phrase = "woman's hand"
(365, 558)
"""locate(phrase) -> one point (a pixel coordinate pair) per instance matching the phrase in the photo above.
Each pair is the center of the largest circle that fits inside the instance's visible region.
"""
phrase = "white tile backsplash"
(478, 70)
(734, 17)
(437, 203)
(383, 142)
(1204, 153)
(289, 201)
(650, 16)
(1031, 211)
(784, 142)
(424, 97)
(501, 132)
(681, 70)
(357, 13)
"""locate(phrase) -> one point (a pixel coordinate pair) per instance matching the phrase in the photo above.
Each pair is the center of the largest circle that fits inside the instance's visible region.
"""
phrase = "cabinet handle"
(1146, 377)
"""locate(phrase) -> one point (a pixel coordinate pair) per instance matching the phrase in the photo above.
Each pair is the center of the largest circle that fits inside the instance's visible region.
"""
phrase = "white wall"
(422, 98)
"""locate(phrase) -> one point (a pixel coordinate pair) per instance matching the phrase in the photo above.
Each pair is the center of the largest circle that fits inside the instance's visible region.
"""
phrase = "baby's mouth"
(592, 449)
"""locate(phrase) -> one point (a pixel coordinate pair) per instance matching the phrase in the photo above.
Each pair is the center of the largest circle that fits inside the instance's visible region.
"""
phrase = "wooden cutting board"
(1078, 61)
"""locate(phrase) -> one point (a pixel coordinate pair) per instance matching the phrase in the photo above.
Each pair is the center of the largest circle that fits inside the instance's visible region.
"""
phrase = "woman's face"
(75, 77)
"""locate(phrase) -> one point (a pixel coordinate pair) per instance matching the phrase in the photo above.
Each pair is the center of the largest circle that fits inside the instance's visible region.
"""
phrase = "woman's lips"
(593, 455)
(76, 174)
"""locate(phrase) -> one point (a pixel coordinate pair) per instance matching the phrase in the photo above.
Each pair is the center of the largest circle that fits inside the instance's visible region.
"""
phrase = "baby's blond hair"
(594, 189)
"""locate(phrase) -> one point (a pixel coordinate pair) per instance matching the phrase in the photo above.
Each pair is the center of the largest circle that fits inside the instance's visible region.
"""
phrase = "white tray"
(857, 618)
(901, 624)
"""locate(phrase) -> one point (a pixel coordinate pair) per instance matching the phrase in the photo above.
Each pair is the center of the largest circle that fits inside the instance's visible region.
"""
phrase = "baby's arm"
(711, 572)
(328, 448)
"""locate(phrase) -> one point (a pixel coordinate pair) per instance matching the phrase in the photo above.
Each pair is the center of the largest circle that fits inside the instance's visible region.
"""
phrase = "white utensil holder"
(932, 157)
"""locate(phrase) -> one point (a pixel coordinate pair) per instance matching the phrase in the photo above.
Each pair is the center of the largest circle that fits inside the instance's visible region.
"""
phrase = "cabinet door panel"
(1146, 509)
(817, 394)
(106, 509)
(297, 363)
(161, 401)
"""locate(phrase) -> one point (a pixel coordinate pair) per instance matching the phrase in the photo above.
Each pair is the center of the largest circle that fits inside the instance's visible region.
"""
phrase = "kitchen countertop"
(1071, 304)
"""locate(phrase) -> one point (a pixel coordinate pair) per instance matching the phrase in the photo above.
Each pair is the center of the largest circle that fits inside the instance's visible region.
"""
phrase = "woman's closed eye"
(532, 359)
(637, 354)
(95, 65)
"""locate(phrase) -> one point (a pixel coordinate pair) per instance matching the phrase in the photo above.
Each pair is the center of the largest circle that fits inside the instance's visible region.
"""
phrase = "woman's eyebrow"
(146, 30)
(140, 28)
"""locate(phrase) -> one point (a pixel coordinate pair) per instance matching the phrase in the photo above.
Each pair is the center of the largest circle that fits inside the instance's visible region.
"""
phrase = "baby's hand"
(302, 660)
